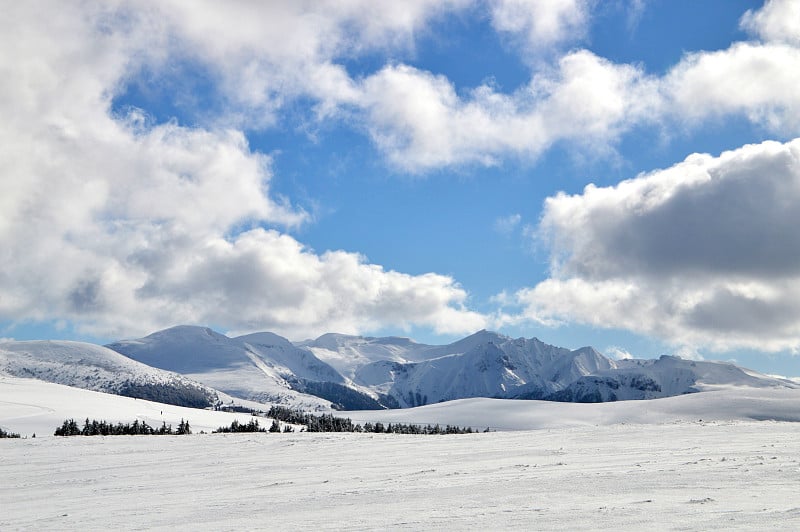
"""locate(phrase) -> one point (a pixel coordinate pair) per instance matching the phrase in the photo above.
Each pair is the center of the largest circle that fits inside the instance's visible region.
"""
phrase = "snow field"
(697, 476)
(629, 465)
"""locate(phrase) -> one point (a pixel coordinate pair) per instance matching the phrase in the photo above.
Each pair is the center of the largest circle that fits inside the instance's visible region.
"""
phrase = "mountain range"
(196, 366)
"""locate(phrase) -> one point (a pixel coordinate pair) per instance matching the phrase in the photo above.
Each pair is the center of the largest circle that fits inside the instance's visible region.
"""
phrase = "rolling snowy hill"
(93, 367)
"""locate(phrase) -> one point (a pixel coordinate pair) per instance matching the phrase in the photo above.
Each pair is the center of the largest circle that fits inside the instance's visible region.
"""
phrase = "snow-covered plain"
(678, 476)
(631, 465)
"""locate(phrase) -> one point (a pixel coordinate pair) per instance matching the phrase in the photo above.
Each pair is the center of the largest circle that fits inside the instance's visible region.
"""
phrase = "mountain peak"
(187, 331)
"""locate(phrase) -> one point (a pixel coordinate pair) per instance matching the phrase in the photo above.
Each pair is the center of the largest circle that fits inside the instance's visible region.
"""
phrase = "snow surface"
(628, 465)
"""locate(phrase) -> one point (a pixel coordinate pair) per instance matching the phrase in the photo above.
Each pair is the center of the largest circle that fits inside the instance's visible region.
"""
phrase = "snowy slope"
(239, 367)
(288, 359)
(31, 406)
(93, 367)
(349, 353)
(663, 377)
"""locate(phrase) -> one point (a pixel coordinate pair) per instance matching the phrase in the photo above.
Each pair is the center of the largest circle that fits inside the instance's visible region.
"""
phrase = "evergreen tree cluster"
(250, 426)
(253, 426)
(331, 423)
(104, 428)
(6, 434)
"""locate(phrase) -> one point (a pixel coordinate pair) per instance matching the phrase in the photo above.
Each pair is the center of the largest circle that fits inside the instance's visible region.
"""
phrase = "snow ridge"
(354, 372)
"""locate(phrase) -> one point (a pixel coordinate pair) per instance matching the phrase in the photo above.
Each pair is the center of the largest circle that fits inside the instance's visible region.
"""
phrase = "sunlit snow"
(627, 465)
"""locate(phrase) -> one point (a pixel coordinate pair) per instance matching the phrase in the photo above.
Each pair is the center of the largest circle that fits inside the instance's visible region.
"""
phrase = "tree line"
(311, 422)
(104, 428)
(6, 434)
(331, 423)
(253, 426)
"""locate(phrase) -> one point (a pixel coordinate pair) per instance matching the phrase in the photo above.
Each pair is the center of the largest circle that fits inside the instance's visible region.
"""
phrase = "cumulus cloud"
(776, 21)
(421, 122)
(703, 253)
(122, 226)
(261, 58)
(541, 24)
(754, 80)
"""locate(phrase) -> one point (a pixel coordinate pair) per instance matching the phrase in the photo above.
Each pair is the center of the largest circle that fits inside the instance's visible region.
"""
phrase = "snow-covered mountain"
(93, 367)
(262, 367)
(354, 372)
(665, 377)
(234, 366)
(484, 364)
(488, 364)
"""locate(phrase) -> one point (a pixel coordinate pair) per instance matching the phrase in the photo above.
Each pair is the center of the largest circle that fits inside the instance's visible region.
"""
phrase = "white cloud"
(541, 24)
(122, 227)
(776, 21)
(262, 56)
(421, 122)
(705, 253)
(111, 222)
(757, 81)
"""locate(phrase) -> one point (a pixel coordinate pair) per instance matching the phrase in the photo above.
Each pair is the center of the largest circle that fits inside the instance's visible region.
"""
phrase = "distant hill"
(93, 367)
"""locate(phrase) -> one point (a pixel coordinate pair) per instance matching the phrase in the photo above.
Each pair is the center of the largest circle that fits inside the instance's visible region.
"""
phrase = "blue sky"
(417, 169)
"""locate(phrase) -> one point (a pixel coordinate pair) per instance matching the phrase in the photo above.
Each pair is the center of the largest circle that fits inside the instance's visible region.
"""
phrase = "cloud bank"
(706, 252)
(121, 226)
